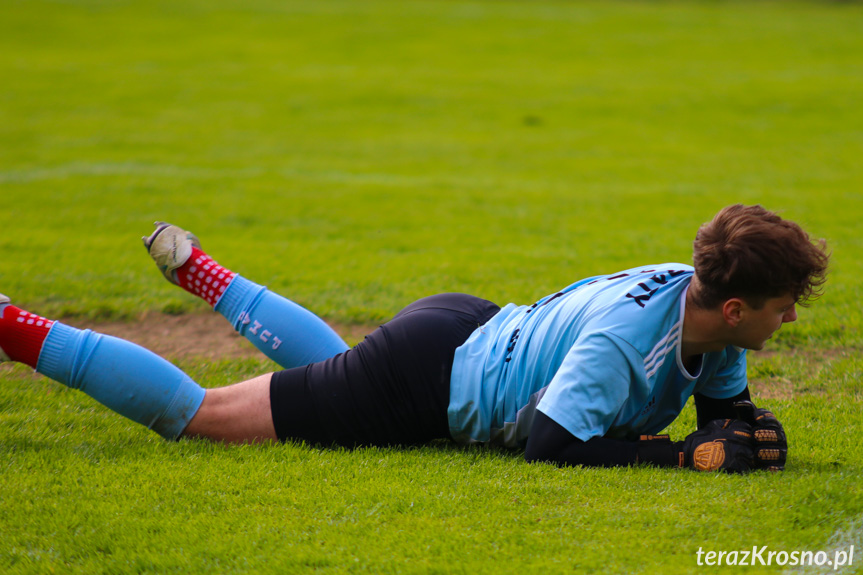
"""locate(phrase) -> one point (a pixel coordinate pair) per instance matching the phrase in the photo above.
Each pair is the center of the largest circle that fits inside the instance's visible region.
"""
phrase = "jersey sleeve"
(589, 389)
(729, 379)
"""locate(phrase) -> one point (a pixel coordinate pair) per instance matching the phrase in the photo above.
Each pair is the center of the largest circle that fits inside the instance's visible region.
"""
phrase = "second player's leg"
(284, 331)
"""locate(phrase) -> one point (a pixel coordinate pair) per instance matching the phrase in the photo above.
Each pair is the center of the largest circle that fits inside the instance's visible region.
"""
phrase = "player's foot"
(3, 300)
(179, 257)
(170, 247)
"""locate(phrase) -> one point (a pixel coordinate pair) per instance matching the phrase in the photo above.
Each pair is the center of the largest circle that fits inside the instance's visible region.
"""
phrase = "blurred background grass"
(357, 156)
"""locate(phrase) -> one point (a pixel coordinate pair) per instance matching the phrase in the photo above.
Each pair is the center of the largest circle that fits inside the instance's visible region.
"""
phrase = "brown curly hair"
(752, 253)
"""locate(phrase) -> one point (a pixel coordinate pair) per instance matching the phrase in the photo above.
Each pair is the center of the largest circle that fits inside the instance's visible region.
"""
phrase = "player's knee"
(208, 417)
(238, 413)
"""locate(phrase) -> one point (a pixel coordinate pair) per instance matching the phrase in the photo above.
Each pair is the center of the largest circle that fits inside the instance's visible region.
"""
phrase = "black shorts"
(391, 389)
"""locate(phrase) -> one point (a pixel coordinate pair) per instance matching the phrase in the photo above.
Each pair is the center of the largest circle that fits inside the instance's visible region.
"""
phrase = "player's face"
(759, 325)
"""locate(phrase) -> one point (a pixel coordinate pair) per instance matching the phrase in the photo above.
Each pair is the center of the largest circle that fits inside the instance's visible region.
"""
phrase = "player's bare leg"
(238, 413)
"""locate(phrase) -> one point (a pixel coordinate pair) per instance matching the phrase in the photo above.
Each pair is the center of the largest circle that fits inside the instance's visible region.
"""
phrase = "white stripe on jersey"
(656, 357)
(661, 344)
(671, 345)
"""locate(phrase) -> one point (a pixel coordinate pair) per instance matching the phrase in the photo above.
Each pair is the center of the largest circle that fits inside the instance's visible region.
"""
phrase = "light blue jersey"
(600, 358)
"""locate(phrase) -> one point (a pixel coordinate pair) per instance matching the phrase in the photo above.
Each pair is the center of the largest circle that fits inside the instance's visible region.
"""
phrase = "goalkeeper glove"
(770, 445)
(721, 445)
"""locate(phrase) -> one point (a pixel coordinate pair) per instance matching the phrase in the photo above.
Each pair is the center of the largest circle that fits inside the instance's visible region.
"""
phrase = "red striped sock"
(203, 277)
(22, 334)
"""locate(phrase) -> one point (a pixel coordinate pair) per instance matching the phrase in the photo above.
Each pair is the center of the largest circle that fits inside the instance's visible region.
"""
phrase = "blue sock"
(123, 376)
(285, 332)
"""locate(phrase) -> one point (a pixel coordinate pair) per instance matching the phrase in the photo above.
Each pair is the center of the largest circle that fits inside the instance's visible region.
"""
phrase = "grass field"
(358, 155)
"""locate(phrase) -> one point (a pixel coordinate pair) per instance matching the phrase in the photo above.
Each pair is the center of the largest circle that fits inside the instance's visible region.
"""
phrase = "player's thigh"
(391, 389)
(237, 413)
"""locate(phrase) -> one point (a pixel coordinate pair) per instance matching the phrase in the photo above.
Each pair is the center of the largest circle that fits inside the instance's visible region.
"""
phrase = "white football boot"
(3, 356)
(170, 247)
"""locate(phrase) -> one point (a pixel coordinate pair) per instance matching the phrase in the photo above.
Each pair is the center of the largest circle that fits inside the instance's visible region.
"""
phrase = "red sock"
(203, 277)
(22, 334)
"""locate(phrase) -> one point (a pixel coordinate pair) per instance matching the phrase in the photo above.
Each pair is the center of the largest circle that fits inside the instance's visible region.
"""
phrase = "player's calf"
(121, 375)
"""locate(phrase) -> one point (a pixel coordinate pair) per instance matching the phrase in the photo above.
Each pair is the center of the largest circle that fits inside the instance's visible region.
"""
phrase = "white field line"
(841, 540)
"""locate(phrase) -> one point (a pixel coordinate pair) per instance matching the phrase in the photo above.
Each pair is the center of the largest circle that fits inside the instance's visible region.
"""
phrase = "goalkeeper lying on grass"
(585, 376)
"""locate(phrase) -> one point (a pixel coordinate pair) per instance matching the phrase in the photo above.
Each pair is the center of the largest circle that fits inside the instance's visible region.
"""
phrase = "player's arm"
(587, 392)
(709, 408)
(724, 445)
(551, 442)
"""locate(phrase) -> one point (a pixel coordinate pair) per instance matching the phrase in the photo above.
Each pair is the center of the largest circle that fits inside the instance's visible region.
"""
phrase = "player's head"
(750, 253)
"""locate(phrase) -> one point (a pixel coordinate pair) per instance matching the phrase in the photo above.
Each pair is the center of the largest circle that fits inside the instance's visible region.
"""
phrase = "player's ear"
(732, 311)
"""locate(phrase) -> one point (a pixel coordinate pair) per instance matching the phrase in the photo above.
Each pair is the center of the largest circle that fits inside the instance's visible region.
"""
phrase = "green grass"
(357, 155)
(85, 491)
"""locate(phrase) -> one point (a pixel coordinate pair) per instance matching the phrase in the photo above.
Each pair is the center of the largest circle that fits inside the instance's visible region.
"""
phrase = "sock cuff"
(237, 299)
(185, 404)
(54, 356)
